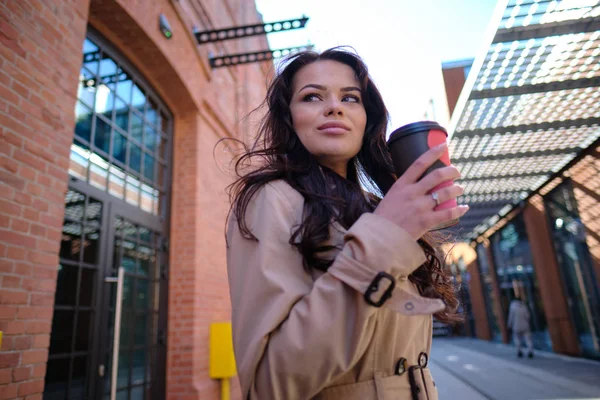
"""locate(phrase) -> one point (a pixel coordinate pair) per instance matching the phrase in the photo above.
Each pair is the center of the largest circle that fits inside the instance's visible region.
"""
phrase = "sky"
(403, 42)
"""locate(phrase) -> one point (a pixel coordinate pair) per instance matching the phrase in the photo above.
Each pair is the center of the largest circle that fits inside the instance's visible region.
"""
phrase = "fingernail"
(463, 208)
(441, 146)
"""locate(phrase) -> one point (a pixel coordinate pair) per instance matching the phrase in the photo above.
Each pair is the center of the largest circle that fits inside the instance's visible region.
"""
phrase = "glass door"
(576, 266)
(135, 313)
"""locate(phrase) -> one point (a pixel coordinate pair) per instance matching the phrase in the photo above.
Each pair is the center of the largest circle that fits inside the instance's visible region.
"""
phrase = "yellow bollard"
(225, 392)
(222, 360)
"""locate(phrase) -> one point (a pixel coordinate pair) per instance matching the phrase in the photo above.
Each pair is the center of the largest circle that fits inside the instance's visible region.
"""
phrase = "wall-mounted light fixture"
(164, 26)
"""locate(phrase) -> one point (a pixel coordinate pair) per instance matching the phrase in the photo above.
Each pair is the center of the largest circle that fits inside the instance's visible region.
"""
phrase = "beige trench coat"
(299, 335)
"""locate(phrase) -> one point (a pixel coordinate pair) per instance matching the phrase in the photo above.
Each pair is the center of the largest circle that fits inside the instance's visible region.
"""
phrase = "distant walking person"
(518, 321)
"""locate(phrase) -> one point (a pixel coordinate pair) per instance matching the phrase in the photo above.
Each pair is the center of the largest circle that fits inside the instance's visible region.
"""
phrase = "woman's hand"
(409, 203)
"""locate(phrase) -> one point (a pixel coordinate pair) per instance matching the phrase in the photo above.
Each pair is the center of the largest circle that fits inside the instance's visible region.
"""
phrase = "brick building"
(525, 133)
(107, 160)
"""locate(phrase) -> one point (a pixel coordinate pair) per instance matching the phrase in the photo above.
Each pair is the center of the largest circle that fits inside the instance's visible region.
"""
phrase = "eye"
(311, 97)
(351, 98)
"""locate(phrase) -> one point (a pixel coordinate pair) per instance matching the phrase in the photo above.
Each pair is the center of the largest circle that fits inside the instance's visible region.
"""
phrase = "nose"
(333, 107)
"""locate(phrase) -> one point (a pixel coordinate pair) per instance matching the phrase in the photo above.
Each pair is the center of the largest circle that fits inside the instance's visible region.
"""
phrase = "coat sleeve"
(293, 336)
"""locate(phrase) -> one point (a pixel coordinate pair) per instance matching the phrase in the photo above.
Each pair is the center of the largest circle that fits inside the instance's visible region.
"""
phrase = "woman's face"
(327, 112)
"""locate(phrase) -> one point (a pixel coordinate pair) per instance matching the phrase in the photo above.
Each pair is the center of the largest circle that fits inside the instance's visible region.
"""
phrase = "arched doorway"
(116, 217)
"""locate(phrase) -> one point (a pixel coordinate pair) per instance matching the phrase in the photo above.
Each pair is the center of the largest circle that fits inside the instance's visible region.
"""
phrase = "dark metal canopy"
(531, 104)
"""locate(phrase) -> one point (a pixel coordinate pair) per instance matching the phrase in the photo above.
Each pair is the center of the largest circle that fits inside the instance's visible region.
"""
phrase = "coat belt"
(379, 388)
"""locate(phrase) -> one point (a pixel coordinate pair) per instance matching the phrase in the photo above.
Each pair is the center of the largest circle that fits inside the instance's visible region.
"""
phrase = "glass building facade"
(576, 265)
(516, 277)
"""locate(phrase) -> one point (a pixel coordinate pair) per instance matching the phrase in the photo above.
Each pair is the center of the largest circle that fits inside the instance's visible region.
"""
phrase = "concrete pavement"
(470, 369)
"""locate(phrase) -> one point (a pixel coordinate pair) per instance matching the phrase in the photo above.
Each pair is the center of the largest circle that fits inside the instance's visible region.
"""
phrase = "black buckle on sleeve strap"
(374, 287)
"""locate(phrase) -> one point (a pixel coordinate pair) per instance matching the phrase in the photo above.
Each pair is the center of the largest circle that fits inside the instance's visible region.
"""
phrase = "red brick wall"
(482, 328)
(454, 80)
(40, 55)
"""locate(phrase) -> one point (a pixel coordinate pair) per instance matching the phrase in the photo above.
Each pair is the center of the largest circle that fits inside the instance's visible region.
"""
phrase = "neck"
(340, 169)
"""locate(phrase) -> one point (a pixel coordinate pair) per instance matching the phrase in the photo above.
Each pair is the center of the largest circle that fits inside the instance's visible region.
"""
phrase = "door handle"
(117, 334)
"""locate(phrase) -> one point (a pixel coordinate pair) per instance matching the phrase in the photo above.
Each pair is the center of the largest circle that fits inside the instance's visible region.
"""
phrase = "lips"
(334, 127)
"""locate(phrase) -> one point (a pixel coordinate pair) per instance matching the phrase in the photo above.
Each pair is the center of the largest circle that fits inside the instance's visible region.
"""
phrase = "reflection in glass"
(146, 199)
(146, 259)
(135, 157)
(129, 229)
(108, 70)
(119, 151)
(78, 378)
(116, 183)
(62, 331)
(86, 288)
(57, 379)
(83, 122)
(86, 90)
(121, 115)
(151, 138)
(139, 363)
(129, 259)
(91, 55)
(137, 393)
(98, 172)
(132, 192)
(82, 332)
(91, 247)
(145, 234)
(124, 87)
(70, 245)
(79, 160)
(66, 286)
(126, 328)
(148, 167)
(102, 135)
(138, 99)
(141, 330)
(105, 99)
(124, 364)
(142, 295)
(137, 126)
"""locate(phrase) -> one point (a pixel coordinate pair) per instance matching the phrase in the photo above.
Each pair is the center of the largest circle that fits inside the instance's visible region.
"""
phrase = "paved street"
(470, 369)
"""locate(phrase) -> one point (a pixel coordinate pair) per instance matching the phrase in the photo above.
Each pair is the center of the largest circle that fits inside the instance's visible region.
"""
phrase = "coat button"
(409, 306)
(423, 359)
(401, 366)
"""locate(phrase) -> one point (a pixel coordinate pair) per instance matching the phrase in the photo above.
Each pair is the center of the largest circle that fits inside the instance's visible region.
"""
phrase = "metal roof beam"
(237, 32)
(519, 156)
(247, 58)
(538, 88)
(508, 176)
(544, 126)
(590, 24)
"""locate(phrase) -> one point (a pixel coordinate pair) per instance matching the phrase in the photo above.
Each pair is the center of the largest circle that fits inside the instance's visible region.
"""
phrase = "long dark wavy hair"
(328, 196)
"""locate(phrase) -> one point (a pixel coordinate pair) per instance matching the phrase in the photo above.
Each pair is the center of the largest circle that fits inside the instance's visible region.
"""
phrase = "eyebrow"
(320, 87)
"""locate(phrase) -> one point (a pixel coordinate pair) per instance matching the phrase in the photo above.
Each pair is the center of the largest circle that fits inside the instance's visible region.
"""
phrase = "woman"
(333, 286)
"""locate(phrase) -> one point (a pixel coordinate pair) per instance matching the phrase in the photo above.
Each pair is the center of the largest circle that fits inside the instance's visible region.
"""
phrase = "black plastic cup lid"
(415, 127)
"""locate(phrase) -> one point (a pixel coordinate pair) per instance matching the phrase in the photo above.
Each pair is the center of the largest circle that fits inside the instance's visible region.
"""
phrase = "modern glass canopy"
(531, 104)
